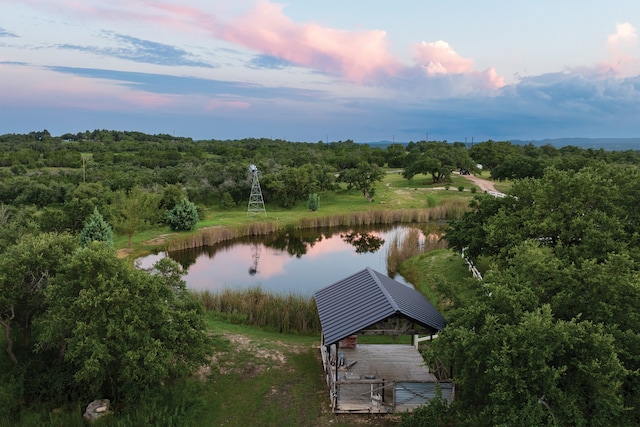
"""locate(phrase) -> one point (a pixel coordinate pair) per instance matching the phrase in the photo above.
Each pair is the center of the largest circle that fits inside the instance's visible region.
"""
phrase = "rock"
(97, 409)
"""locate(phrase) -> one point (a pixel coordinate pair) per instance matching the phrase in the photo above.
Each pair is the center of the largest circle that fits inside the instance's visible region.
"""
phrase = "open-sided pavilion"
(376, 378)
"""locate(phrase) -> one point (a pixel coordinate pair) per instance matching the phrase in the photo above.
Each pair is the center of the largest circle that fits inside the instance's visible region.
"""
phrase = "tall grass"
(452, 208)
(448, 209)
(211, 235)
(410, 244)
(175, 404)
(255, 306)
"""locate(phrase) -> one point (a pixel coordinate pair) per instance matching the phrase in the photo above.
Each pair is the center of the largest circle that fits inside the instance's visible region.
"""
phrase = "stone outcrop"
(97, 409)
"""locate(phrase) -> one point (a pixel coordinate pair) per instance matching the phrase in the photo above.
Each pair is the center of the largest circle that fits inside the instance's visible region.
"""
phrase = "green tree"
(183, 216)
(117, 330)
(96, 229)
(468, 232)
(172, 195)
(26, 270)
(135, 211)
(518, 166)
(563, 254)
(438, 159)
(516, 363)
(363, 178)
(396, 155)
(579, 215)
(226, 201)
(492, 153)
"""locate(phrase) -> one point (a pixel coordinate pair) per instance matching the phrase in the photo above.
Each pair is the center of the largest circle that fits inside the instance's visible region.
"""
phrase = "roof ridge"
(383, 288)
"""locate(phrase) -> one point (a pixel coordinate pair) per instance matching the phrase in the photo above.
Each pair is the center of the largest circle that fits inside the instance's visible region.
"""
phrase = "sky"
(331, 70)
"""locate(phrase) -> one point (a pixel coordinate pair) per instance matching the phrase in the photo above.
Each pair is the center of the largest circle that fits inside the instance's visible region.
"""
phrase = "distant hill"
(382, 144)
(609, 144)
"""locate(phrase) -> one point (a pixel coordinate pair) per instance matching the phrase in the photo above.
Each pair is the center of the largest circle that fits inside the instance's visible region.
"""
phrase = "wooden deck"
(393, 362)
(368, 374)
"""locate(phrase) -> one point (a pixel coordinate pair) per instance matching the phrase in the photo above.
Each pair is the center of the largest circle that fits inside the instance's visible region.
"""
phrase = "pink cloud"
(621, 46)
(439, 58)
(358, 56)
(623, 62)
(21, 85)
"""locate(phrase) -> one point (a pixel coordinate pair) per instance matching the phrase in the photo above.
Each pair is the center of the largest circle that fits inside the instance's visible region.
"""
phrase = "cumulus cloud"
(358, 56)
(622, 46)
(623, 62)
(440, 58)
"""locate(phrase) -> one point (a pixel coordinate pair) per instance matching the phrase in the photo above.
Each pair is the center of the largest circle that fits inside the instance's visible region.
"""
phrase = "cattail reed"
(209, 236)
(410, 244)
(286, 313)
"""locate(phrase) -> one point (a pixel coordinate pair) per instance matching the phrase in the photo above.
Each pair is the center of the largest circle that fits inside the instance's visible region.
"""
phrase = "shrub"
(461, 188)
(314, 202)
(473, 190)
(96, 229)
(183, 217)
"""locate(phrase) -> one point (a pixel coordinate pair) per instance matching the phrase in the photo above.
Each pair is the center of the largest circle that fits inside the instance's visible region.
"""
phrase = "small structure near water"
(376, 378)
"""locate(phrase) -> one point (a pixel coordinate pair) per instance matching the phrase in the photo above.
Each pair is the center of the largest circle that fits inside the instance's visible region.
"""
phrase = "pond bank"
(209, 236)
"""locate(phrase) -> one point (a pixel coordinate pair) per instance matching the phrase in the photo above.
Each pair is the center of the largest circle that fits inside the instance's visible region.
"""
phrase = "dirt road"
(481, 183)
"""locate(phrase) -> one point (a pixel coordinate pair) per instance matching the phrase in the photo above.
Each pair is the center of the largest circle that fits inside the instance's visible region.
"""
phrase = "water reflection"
(300, 261)
(363, 241)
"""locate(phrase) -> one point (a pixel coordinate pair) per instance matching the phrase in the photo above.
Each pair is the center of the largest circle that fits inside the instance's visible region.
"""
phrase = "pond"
(294, 261)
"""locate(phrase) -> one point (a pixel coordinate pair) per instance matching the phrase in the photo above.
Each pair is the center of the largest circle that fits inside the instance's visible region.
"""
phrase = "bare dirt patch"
(123, 253)
(249, 358)
(156, 241)
(481, 183)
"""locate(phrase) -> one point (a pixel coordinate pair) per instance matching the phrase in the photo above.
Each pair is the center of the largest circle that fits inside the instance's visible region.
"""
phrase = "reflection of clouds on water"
(327, 261)
(331, 245)
(148, 261)
(230, 268)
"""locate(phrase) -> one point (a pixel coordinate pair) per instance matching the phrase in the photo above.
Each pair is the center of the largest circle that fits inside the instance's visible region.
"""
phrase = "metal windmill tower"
(256, 202)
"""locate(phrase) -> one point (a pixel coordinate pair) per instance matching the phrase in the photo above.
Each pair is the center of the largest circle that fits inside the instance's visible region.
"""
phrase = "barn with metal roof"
(382, 378)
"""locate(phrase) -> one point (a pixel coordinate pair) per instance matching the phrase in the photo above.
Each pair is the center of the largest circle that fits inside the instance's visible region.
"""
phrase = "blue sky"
(301, 70)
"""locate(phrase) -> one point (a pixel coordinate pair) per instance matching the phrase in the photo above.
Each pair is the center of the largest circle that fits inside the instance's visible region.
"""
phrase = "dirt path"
(481, 183)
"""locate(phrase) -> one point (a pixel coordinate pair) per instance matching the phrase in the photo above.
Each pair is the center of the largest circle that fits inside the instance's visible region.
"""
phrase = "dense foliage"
(80, 323)
(551, 335)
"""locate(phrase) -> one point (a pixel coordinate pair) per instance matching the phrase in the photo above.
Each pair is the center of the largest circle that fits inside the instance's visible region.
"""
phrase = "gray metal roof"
(366, 298)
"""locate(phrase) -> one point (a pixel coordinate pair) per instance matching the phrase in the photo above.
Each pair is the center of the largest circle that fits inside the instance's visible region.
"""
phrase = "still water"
(295, 261)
